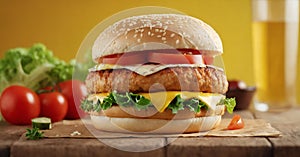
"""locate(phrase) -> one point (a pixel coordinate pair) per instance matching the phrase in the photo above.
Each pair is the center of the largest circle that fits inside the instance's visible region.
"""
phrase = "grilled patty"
(200, 79)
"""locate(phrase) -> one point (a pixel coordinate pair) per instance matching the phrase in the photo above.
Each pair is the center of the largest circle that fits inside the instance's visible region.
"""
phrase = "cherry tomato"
(19, 105)
(74, 91)
(53, 105)
(236, 123)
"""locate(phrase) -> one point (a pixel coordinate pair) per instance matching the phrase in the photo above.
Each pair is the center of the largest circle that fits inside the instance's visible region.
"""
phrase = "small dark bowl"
(243, 97)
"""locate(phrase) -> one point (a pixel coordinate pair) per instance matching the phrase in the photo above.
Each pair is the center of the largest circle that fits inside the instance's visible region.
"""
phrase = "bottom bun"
(134, 125)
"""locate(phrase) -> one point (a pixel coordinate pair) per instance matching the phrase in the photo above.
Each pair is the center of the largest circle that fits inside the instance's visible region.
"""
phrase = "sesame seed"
(156, 30)
(135, 35)
(135, 31)
(164, 34)
(138, 40)
(126, 37)
(159, 36)
(152, 34)
(163, 38)
(149, 33)
(141, 35)
(142, 30)
(177, 41)
(172, 35)
(165, 42)
(161, 30)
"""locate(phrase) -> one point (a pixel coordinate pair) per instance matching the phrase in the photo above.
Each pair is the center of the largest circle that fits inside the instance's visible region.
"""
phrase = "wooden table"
(288, 145)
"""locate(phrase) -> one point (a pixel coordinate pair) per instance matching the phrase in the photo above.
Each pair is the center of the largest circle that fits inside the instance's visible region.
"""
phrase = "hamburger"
(155, 73)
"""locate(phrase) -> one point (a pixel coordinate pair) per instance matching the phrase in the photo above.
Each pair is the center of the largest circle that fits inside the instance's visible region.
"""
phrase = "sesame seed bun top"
(157, 31)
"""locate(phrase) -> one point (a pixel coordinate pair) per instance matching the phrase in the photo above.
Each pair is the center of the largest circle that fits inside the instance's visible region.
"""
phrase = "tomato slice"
(195, 59)
(190, 51)
(167, 56)
(126, 59)
(236, 123)
(208, 60)
(164, 58)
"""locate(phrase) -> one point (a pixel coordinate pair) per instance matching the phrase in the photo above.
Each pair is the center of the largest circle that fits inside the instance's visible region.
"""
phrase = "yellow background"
(62, 25)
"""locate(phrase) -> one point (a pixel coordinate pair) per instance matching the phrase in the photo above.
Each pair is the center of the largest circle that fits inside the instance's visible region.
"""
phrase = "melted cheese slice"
(96, 97)
(144, 70)
(161, 100)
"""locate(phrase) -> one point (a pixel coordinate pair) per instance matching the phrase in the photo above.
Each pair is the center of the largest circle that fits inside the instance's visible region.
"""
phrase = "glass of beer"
(275, 43)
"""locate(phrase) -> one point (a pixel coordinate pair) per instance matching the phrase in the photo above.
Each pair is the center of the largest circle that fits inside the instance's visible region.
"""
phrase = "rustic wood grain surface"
(288, 123)
(8, 135)
(12, 143)
(225, 147)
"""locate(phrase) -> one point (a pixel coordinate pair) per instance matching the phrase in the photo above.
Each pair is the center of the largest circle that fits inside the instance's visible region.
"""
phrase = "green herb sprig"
(34, 134)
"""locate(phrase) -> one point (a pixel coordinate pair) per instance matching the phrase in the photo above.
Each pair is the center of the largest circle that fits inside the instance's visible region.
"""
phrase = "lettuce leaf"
(140, 102)
(195, 105)
(229, 103)
(176, 104)
(107, 102)
(33, 67)
(180, 104)
(126, 100)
